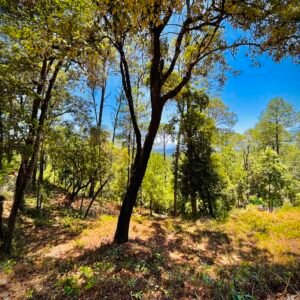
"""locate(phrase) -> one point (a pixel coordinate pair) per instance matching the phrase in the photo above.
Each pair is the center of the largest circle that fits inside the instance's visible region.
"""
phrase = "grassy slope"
(252, 255)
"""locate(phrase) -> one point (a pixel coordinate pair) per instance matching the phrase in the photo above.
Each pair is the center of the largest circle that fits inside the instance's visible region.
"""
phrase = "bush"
(256, 201)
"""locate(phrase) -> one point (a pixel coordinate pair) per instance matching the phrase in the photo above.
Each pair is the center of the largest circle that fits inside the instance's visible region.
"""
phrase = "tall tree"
(199, 177)
(198, 44)
(270, 174)
(275, 121)
(47, 39)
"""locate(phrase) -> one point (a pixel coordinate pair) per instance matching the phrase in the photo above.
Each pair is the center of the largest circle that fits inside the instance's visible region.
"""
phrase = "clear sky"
(248, 93)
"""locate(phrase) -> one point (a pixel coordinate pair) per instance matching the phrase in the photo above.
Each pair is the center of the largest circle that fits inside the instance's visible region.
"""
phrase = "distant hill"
(169, 151)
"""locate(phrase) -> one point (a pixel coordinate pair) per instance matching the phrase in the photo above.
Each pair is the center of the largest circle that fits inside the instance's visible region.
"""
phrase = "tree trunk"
(92, 188)
(21, 182)
(193, 203)
(129, 157)
(102, 99)
(210, 207)
(28, 161)
(164, 155)
(1, 217)
(116, 119)
(277, 139)
(94, 197)
(81, 203)
(33, 177)
(40, 181)
(72, 196)
(177, 154)
(191, 187)
(1, 141)
(137, 174)
(164, 147)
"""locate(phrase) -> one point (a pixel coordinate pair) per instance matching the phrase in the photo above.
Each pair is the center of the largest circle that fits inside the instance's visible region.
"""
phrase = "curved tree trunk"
(28, 160)
(137, 174)
(21, 183)
(94, 197)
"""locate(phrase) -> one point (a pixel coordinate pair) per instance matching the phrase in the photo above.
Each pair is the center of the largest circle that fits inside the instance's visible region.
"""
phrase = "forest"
(122, 174)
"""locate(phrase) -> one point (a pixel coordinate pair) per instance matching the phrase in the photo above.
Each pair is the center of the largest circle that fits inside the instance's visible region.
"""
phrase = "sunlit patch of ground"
(252, 255)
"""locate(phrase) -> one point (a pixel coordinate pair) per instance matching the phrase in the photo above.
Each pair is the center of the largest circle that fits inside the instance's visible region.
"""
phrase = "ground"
(251, 255)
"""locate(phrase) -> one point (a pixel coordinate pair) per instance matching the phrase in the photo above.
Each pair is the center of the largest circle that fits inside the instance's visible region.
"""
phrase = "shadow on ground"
(168, 265)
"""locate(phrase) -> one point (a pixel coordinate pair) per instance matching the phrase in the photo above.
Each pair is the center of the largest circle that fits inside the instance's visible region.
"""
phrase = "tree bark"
(115, 128)
(92, 188)
(210, 207)
(21, 182)
(28, 161)
(277, 139)
(39, 198)
(190, 148)
(1, 141)
(1, 217)
(193, 203)
(176, 167)
(33, 179)
(137, 174)
(129, 157)
(102, 99)
(142, 154)
(116, 119)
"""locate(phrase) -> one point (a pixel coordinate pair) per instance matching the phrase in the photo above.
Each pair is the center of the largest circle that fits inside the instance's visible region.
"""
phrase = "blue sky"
(246, 94)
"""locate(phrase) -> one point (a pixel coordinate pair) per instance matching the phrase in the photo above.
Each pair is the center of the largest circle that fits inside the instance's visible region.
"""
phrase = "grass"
(251, 255)
(278, 233)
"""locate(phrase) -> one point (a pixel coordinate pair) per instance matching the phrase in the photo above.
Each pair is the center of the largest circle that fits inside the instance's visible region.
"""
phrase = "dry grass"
(253, 255)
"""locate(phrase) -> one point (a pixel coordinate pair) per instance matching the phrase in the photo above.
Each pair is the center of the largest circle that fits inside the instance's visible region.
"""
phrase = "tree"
(116, 115)
(1, 217)
(221, 114)
(157, 192)
(176, 160)
(198, 44)
(199, 176)
(275, 121)
(45, 40)
(270, 173)
(164, 136)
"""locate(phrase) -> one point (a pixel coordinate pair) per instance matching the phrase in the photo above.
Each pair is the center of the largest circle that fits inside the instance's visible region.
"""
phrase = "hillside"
(252, 255)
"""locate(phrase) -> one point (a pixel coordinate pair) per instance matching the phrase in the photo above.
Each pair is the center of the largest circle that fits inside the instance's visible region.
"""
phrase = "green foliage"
(51, 51)
(30, 294)
(137, 295)
(73, 284)
(199, 171)
(275, 122)
(73, 225)
(8, 168)
(270, 177)
(157, 184)
(69, 284)
(256, 201)
(8, 266)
